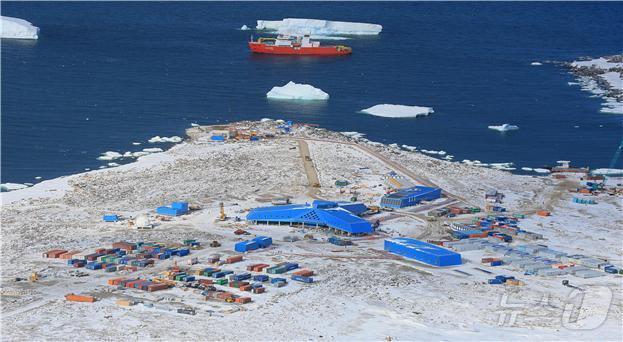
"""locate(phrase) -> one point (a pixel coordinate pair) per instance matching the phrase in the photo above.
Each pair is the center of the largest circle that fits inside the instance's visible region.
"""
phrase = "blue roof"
(422, 251)
(322, 213)
(416, 190)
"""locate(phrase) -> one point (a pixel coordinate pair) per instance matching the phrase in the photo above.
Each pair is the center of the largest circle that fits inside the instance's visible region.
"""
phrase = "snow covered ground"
(15, 28)
(318, 27)
(360, 293)
(297, 91)
(398, 111)
(602, 77)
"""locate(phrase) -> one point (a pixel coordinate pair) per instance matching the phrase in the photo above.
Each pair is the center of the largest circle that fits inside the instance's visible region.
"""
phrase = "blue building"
(422, 252)
(410, 196)
(337, 215)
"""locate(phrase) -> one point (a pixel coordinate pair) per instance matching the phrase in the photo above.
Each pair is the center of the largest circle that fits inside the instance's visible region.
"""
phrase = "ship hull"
(306, 51)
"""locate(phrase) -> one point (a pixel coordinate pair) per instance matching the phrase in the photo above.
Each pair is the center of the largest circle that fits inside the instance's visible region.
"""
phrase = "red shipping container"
(233, 259)
(245, 288)
(259, 290)
(243, 300)
(260, 267)
(224, 295)
(157, 287)
(206, 281)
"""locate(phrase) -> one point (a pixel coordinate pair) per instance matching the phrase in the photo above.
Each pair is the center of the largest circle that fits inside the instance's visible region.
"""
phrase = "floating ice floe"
(297, 91)
(136, 143)
(159, 139)
(266, 120)
(397, 111)
(504, 128)
(110, 155)
(194, 124)
(540, 170)
(153, 150)
(409, 148)
(245, 28)
(38, 177)
(606, 171)
(15, 28)
(527, 168)
(354, 135)
(536, 63)
(603, 78)
(113, 164)
(318, 27)
(5, 187)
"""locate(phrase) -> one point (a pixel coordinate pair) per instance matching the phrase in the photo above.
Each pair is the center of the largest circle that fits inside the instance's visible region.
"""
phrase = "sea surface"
(104, 75)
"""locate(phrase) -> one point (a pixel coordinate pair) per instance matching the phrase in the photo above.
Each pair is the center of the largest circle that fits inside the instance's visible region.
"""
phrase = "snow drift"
(296, 91)
(504, 128)
(318, 27)
(398, 111)
(15, 28)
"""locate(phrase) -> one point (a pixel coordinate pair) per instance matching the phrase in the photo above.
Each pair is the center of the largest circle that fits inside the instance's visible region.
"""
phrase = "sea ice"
(354, 135)
(153, 150)
(112, 164)
(527, 168)
(539, 170)
(397, 111)
(409, 148)
(110, 155)
(536, 63)
(296, 91)
(504, 128)
(159, 139)
(245, 28)
(318, 27)
(266, 120)
(15, 28)
(136, 143)
(606, 171)
(4, 187)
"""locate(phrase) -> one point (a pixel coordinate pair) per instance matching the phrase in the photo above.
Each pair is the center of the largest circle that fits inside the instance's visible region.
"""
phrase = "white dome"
(142, 221)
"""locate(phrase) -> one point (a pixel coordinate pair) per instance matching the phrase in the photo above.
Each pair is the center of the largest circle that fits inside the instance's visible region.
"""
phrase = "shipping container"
(79, 298)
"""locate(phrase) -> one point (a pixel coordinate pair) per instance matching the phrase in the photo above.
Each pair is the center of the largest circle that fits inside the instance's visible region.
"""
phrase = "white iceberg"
(353, 135)
(539, 170)
(536, 63)
(504, 128)
(159, 139)
(296, 91)
(397, 111)
(15, 28)
(245, 28)
(110, 155)
(525, 168)
(318, 27)
(4, 187)
(136, 143)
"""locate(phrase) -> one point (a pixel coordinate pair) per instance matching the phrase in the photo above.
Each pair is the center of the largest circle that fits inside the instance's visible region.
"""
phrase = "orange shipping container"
(304, 273)
(79, 298)
(115, 281)
(543, 213)
(243, 300)
(245, 288)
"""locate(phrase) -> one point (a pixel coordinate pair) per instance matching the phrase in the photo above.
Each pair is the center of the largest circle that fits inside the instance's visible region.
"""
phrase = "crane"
(222, 216)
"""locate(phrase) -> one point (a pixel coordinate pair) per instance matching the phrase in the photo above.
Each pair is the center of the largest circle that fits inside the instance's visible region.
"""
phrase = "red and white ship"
(287, 45)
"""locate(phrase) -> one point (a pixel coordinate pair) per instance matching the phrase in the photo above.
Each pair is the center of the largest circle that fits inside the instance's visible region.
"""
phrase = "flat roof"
(422, 246)
(416, 190)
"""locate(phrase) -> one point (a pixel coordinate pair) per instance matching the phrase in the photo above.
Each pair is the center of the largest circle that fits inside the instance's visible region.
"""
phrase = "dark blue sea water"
(105, 74)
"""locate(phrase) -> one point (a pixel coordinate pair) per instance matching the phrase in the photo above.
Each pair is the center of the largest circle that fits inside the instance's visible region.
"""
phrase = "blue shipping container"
(422, 251)
(111, 218)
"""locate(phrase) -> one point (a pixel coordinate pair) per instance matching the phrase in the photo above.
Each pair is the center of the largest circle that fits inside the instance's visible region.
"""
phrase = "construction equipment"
(34, 277)
(222, 216)
(215, 244)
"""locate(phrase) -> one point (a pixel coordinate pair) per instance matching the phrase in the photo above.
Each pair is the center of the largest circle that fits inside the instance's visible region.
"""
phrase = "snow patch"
(504, 128)
(297, 91)
(15, 28)
(397, 111)
(318, 27)
(153, 150)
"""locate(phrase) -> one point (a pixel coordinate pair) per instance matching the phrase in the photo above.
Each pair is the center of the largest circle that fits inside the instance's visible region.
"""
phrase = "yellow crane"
(34, 277)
